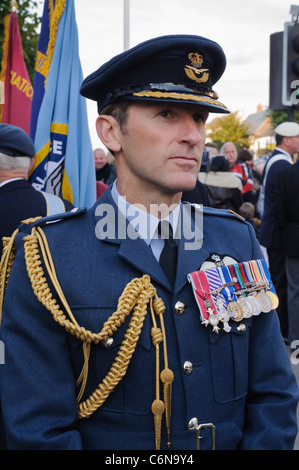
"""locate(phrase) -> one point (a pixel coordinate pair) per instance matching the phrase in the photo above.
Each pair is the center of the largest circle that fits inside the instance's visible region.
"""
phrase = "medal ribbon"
(256, 271)
(238, 275)
(248, 271)
(226, 278)
(234, 277)
(215, 283)
(264, 269)
(200, 285)
(244, 274)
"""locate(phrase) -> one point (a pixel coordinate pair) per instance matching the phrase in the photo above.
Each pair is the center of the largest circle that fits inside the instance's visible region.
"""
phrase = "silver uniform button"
(179, 307)
(242, 328)
(193, 424)
(188, 367)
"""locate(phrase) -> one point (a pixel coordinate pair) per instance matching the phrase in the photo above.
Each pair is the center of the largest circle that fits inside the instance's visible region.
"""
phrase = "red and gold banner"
(18, 90)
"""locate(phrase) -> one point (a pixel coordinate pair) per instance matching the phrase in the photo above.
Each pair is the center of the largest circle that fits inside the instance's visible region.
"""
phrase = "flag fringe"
(54, 17)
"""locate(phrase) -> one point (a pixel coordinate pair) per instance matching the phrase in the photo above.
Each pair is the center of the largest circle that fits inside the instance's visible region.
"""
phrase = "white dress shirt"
(145, 224)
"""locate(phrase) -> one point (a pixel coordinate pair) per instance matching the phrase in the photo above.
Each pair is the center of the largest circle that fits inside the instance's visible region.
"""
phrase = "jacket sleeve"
(37, 385)
(271, 420)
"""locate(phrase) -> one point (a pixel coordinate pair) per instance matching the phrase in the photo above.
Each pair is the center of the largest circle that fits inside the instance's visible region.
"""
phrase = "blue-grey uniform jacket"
(241, 381)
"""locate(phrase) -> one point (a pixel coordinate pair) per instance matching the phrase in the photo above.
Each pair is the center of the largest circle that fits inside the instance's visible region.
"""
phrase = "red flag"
(18, 90)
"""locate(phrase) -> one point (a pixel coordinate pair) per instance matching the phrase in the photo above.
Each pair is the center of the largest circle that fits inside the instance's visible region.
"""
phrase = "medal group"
(233, 292)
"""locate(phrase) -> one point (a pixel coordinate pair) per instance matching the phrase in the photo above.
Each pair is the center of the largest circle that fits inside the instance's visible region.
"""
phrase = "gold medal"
(274, 299)
(235, 310)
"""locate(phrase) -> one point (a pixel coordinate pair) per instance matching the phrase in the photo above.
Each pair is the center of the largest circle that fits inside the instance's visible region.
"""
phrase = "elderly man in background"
(18, 199)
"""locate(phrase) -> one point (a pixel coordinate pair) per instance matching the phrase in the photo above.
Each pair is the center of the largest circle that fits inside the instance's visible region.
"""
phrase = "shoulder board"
(42, 221)
(222, 213)
(216, 212)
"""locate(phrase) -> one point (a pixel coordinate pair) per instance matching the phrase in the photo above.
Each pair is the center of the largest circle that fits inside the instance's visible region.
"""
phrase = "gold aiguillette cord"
(166, 376)
(134, 299)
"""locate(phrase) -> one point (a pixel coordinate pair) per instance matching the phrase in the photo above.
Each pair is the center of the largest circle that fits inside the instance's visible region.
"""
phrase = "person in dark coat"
(287, 144)
(223, 187)
(287, 220)
(105, 172)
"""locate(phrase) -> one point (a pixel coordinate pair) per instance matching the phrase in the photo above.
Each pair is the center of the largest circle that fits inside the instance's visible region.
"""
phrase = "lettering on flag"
(18, 92)
(64, 163)
(41, 63)
(21, 83)
(49, 166)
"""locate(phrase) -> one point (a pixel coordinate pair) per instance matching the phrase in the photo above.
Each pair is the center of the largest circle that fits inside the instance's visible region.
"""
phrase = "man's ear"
(31, 164)
(108, 131)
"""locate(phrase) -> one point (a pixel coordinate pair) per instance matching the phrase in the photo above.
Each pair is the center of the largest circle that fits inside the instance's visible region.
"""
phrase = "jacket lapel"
(191, 253)
(114, 228)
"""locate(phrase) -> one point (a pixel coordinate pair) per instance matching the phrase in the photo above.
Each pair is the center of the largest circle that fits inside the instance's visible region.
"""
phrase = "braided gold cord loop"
(134, 300)
(6, 263)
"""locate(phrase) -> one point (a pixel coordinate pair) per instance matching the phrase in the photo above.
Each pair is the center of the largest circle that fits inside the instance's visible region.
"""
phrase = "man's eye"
(198, 117)
(164, 114)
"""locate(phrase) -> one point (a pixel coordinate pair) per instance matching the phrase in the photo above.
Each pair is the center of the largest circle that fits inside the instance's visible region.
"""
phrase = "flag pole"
(126, 24)
(13, 5)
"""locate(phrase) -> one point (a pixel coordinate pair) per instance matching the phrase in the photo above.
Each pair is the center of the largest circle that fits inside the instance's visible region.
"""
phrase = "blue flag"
(41, 68)
(64, 162)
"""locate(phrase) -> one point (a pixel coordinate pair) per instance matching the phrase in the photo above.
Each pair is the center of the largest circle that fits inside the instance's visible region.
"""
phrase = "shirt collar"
(280, 150)
(144, 223)
(9, 181)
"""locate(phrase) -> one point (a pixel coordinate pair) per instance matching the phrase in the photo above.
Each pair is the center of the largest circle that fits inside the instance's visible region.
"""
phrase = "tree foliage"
(29, 22)
(229, 128)
(281, 116)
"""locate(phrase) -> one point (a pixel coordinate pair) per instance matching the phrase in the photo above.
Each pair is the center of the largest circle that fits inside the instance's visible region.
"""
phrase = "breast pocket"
(132, 366)
(229, 363)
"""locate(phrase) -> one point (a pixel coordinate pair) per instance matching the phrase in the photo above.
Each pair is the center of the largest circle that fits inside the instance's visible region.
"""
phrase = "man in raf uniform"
(107, 349)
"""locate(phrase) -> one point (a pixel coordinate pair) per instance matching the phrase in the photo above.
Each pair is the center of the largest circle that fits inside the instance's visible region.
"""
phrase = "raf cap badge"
(194, 71)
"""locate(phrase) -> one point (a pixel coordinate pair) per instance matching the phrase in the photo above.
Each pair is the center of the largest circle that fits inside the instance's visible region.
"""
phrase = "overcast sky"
(241, 27)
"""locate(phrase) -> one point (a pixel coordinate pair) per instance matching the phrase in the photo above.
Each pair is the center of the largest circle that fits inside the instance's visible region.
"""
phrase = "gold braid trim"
(179, 96)
(6, 263)
(7, 259)
(135, 298)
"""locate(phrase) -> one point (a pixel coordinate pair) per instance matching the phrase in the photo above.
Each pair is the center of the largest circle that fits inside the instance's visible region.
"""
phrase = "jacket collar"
(111, 226)
(14, 183)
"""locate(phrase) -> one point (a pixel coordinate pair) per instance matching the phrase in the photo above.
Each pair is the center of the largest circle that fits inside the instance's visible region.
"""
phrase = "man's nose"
(192, 132)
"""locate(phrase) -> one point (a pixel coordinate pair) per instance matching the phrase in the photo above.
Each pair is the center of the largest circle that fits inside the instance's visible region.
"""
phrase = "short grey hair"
(7, 162)
(224, 145)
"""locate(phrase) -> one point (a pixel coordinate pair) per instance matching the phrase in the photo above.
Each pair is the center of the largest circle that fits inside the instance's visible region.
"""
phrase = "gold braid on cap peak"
(179, 96)
(135, 298)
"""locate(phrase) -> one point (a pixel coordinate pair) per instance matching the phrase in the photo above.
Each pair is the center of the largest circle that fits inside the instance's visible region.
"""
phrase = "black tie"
(168, 257)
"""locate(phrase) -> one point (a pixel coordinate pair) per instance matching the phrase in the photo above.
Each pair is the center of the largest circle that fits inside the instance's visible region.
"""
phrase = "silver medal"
(264, 301)
(246, 306)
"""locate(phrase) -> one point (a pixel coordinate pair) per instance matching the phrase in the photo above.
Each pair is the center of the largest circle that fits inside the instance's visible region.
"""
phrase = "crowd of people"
(256, 188)
(264, 191)
(132, 336)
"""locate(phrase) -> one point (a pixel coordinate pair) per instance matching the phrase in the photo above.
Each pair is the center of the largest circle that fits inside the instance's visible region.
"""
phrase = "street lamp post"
(126, 24)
